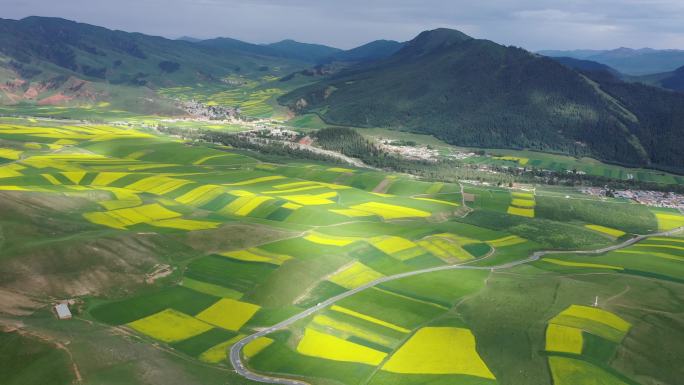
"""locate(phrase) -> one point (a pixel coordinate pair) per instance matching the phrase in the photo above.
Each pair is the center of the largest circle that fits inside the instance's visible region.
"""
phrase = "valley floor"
(182, 259)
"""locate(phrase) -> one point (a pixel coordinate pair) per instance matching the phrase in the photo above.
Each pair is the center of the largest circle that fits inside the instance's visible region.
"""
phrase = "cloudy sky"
(532, 24)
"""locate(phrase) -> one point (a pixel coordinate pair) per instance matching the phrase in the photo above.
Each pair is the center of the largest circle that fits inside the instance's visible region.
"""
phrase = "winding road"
(235, 351)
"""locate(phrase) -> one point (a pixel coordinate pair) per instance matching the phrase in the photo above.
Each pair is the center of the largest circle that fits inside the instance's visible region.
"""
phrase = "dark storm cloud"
(533, 24)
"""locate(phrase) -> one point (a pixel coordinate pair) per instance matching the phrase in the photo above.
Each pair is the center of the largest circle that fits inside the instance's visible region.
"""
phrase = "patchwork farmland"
(248, 244)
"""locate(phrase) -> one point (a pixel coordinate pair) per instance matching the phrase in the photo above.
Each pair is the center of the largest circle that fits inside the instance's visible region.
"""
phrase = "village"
(645, 197)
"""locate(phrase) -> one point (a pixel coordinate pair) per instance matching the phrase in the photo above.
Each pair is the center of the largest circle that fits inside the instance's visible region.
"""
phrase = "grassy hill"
(478, 93)
(53, 61)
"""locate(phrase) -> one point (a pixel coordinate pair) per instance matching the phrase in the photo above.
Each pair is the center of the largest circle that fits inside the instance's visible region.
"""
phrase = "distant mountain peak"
(441, 36)
(433, 40)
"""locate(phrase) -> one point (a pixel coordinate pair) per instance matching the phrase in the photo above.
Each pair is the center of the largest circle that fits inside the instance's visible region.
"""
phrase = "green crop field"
(172, 251)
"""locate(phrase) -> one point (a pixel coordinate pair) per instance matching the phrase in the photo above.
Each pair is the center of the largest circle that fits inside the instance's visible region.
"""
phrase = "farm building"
(62, 310)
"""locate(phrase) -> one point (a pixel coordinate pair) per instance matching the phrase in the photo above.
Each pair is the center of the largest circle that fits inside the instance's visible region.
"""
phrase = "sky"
(531, 24)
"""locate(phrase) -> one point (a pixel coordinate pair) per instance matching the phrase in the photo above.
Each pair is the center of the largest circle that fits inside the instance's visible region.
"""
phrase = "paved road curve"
(236, 349)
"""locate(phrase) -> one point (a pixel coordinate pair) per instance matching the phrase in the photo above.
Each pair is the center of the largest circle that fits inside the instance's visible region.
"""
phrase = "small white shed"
(62, 310)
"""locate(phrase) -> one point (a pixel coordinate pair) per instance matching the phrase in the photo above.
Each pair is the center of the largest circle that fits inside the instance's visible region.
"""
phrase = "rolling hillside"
(53, 60)
(478, 93)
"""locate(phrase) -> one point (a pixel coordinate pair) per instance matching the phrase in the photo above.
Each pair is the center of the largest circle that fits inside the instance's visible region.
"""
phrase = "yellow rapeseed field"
(11, 171)
(290, 185)
(121, 218)
(388, 211)
(521, 161)
(606, 230)
(296, 189)
(228, 313)
(253, 348)
(170, 326)
(598, 315)
(158, 185)
(52, 179)
(317, 344)
(355, 275)
(443, 202)
(219, 353)
(523, 195)
(330, 240)
(529, 213)
(9, 153)
(251, 205)
(206, 158)
(291, 206)
(444, 249)
(124, 199)
(581, 264)
(439, 350)
(593, 320)
(256, 180)
(368, 318)
(200, 195)
(383, 195)
(311, 200)
(391, 244)
(669, 221)
(75, 176)
(651, 253)
(564, 339)
(326, 322)
(244, 205)
(257, 255)
(524, 203)
(107, 178)
(507, 241)
(185, 224)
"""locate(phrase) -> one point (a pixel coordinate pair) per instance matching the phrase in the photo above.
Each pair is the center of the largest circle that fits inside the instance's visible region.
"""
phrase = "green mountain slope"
(587, 66)
(302, 51)
(669, 80)
(44, 58)
(375, 50)
(478, 93)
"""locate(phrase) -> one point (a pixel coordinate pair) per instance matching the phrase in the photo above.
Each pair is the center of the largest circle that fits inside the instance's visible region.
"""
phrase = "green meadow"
(175, 250)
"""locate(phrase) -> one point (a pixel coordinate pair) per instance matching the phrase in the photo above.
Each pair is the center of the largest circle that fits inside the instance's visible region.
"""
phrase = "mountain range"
(475, 92)
(51, 57)
(466, 91)
(629, 61)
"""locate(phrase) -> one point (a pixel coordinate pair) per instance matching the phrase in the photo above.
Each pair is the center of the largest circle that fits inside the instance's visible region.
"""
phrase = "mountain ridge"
(475, 92)
(637, 62)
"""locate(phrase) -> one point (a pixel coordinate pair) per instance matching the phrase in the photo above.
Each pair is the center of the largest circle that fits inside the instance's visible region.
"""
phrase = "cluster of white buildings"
(649, 198)
(419, 152)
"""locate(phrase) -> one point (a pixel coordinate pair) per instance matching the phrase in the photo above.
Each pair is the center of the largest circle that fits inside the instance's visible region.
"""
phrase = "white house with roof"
(62, 310)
